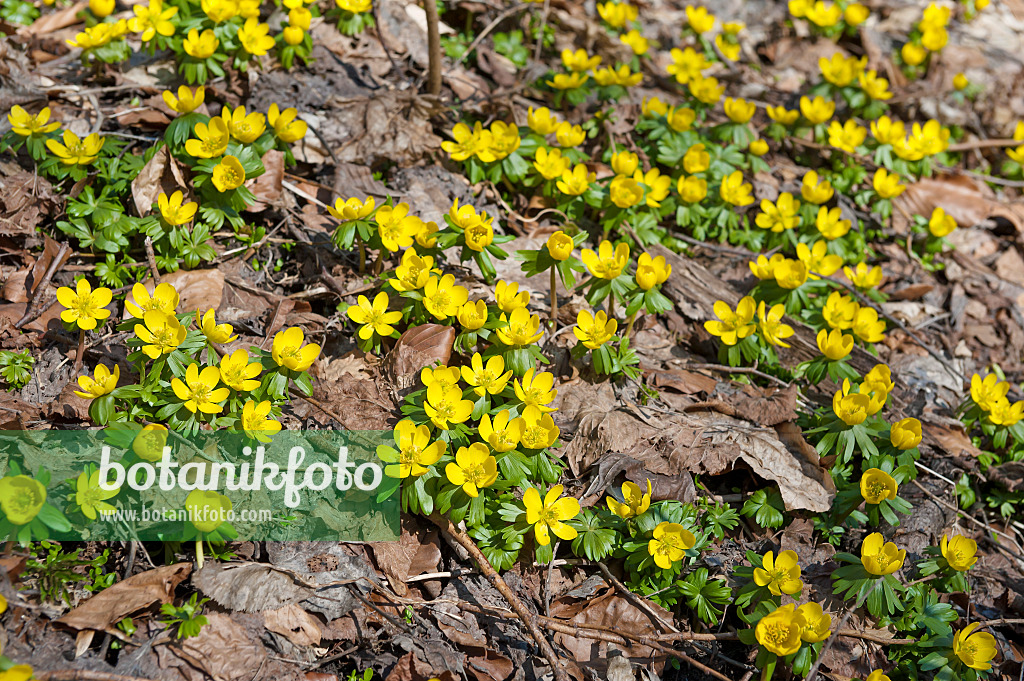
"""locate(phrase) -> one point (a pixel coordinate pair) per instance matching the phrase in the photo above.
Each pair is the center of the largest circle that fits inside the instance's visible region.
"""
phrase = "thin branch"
(433, 47)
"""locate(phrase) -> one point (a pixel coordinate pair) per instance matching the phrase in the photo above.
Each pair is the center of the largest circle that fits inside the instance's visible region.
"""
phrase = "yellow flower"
(228, 174)
(594, 331)
(480, 235)
(99, 35)
(834, 344)
(735, 191)
(164, 299)
(200, 46)
(881, 375)
(839, 311)
(658, 185)
(636, 42)
(856, 14)
(975, 649)
(444, 376)
(413, 272)
(550, 514)
(256, 421)
(864, 277)
(874, 86)
(550, 163)
(21, 498)
(840, 70)
(934, 39)
(568, 135)
(84, 306)
(445, 405)
(829, 223)
(236, 371)
(625, 192)
(199, 390)
(887, 185)
(824, 14)
(91, 498)
(781, 575)
(19, 672)
(817, 259)
(254, 37)
(395, 227)
(504, 433)
(699, 19)
(790, 274)
(76, 151)
(174, 211)
(877, 675)
(680, 119)
(536, 390)
(886, 131)
(779, 216)
(300, 17)
(351, 209)
(876, 393)
(818, 110)
(867, 326)
(579, 60)
(692, 189)
(293, 35)
(542, 121)
(697, 159)
(670, 543)
(817, 623)
(852, 409)
(286, 127)
(504, 139)
(879, 557)
(151, 20)
(730, 48)
(764, 268)
(289, 352)
(443, 297)
(576, 181)
(686, 66)
(651, 272)
(779, 631)
(706, 90)
(473, 316)
(814, 191)
(354, 6)
(634, 501)
(161, 333)
(739, 110)
(617, 14)
(213, 139)
(617, 76)
(468, 141)
(1005, 414)
(521, 328)
(103, 383)
(509, 297)
(214, 332)
(625, 162)
(149, 442)
(877, 485)
(473, 469)
(770, 323)
(960, 82)
(798, 8)
(758, 147)
(652, 107)
(246, 128)
(846, 136)
(941, 223)
(567, 81)
(608, 262)
(960, 552)
(186, 101)
(219, 11)
(989, 391)
(486, 379)
(539, 429)
(207, 509)
(25, 124)
(733, 327)
(782, 115)
(913, 53)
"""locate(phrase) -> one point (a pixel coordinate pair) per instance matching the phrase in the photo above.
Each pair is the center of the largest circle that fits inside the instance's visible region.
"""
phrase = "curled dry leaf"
(967, 200)
(418, 347)
(295, 624)
(250, 587)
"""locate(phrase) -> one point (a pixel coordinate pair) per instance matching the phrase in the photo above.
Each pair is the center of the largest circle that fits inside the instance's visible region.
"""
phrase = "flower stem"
(554, 299)
(378, 264)
(769, 669)
(81, 350)
(611, 306)
(199, 553)
(362, 253)
(629, 325)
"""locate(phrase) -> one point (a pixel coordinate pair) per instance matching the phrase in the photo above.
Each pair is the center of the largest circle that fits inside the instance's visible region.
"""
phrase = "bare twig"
(151, 260)
(35, 306)
(81, 675)
(984, 144)
(737, 370)
(434, 48)
(634, 599)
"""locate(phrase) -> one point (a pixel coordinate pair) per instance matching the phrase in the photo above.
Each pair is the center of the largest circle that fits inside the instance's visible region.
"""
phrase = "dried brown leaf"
(295, 624)
(250, 587)
(418, 347)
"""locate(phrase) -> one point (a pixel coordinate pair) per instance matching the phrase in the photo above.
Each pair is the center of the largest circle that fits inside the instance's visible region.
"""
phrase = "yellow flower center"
(484, 379)
(22, 502)
(535, 437)
(440, 300)
(876, 489)
(475, 474)
(477, 234)
(200, 393)
(90, 497)
(84, 306)
(230, 176)
(776, 632)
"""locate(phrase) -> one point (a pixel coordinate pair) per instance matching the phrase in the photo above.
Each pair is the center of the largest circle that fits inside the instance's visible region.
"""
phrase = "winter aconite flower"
(160, 333)
(692, 189)
(536, 390)
(213, 138)
(579, 60)
(739, 110)
(608, 262)
(550, 163)
(445, 406)
(186, 101)
(780, 574)
(244, 127)
(846, 136)
(490, 378)
(153, 19)
(84, 307)
(830, 224)
(396, 227)
(790, 274)
(200, 46)
(199, 390)
(542, 121)
(92, 498)
(473, 469)
(228, 174)
(102, 382)
(634, 501)
(906, 434)
(174, 211)
(254, 37)
(851, 409)
(443, 297)
(214, 332)
(887, 185)
(539, 429)
(236, 371)
(575, 182)
(960, 552)
(670, 543)
(773, 331)
(289, 352)
(817, 622)
(779, 216)
(25, 124)
(880, 557)
(207, 509)
(814, 191)
(503, 433)
(867, 326)
(651, 272)
(415, 453)
(732, 327)
(735, 191)
(560, 246)
(473, 316)
(876, 485)
(941, 223)
(76, 151)
(594, 330)
(21, 498)
(818, 110)
(549, 515)
(834, 344)
(975, 649)
(864, 277)
(625, 192)
(351, 209)
(287, 127)
(257, 423)
(779, 631)
(375, 317)
(988, 391)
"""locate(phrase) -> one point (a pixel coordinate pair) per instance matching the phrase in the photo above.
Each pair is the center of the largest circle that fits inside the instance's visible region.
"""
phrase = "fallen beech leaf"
(295, 624)
(267, 187)
(160, 175)
(223, 650)
(197, 289)
(418, 347)
(967, 200)
(250, 587)
(137, 593)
